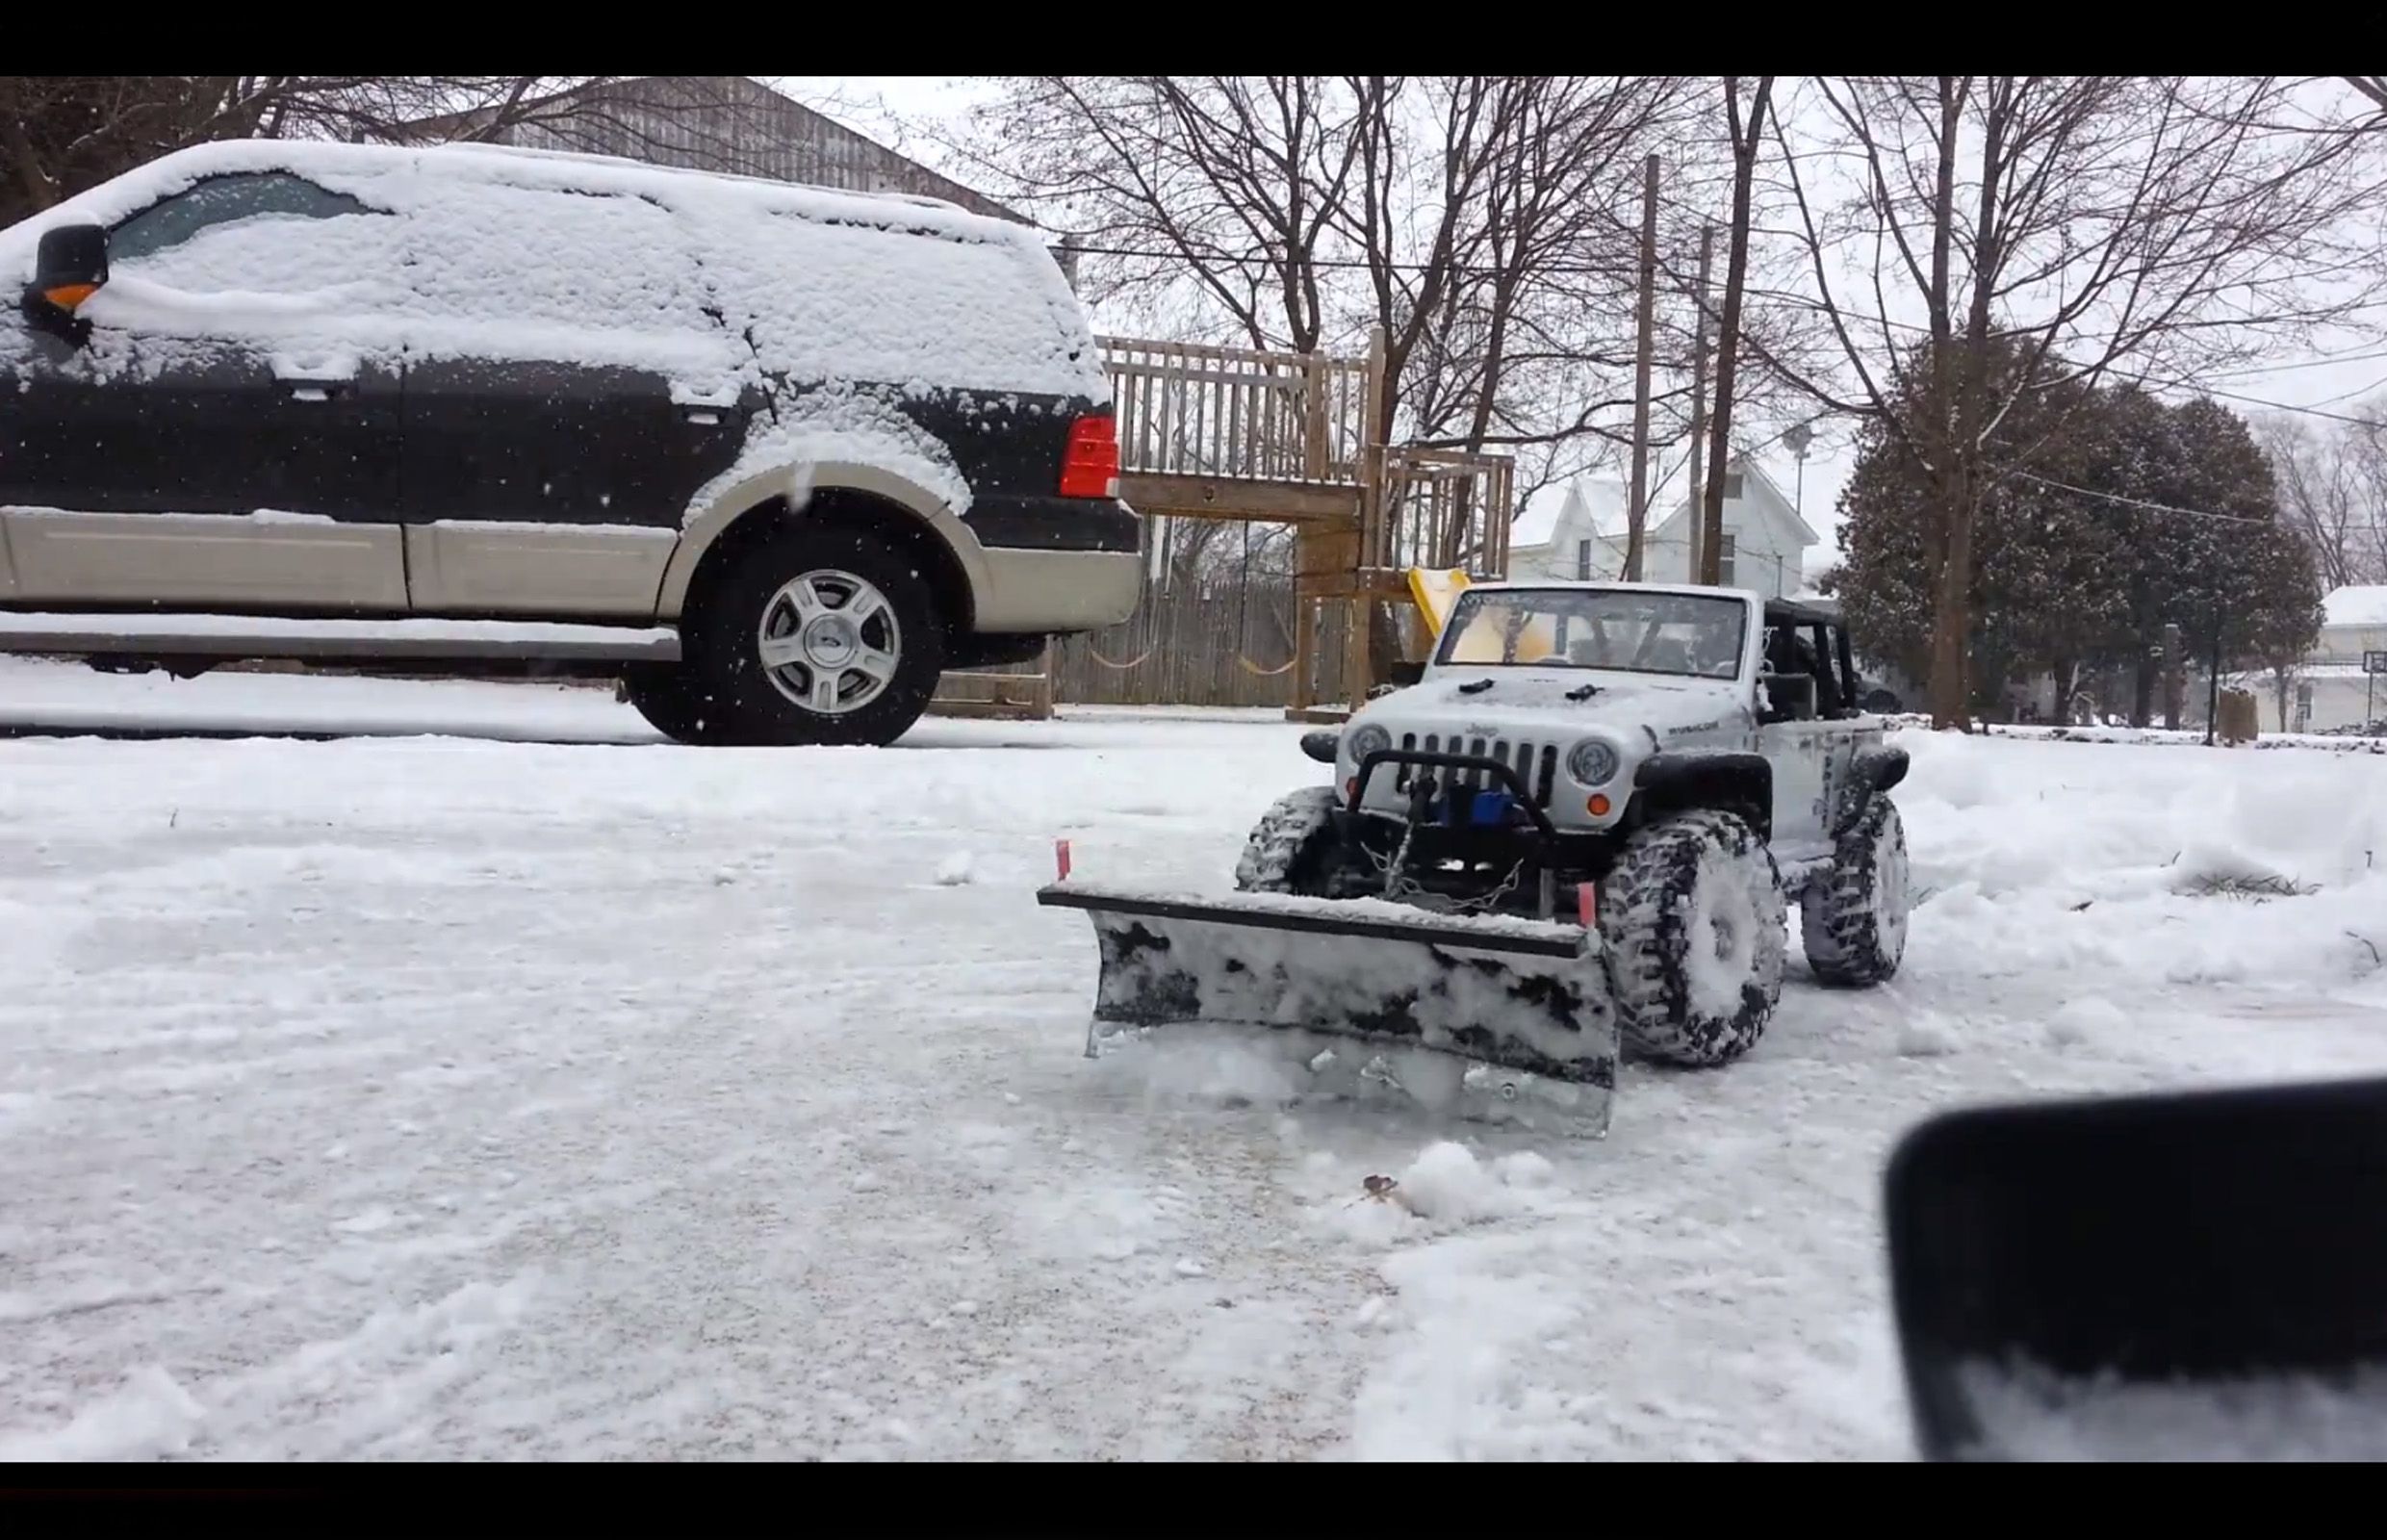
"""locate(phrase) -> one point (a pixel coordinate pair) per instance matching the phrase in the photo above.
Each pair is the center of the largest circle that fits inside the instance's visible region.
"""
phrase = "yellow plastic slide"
(1435, 592)
(1487, 640)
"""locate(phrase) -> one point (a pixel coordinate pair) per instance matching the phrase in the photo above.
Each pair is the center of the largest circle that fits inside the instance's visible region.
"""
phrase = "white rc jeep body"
(1675, 765)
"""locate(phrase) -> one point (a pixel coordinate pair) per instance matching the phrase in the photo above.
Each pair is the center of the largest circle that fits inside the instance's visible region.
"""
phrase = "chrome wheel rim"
(829, 642)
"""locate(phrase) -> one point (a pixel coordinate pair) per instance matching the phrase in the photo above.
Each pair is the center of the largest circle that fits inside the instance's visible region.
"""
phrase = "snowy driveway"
(426, 1097)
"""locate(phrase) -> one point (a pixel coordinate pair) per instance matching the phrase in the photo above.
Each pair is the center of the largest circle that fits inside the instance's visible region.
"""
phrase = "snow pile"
(1926, 1034)
(2033, 1415)
(1446, 1182)
(955, 870)
(2088, 1019)
(2199, 866)
(148, 1417)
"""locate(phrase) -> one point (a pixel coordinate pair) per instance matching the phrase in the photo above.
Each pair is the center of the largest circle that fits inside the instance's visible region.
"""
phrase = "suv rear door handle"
(314, 379)
(702, 416)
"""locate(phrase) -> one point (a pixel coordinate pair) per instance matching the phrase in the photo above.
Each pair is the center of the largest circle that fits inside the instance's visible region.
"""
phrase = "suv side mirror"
(1405, 673)
(70, 266)
(1322, 744)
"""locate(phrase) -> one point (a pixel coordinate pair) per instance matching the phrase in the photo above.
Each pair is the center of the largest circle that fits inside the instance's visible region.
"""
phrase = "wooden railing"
(1255, 416)
(1442, 508)
(1238, 413)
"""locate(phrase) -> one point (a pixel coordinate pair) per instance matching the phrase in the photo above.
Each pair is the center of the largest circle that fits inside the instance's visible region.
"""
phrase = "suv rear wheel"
(820, 633)
(675, 701)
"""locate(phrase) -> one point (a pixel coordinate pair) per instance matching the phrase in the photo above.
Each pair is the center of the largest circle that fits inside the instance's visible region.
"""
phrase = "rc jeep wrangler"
(1693, 757)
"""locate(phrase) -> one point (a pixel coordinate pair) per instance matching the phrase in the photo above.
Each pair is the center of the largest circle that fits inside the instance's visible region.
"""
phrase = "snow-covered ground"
(445, 1097)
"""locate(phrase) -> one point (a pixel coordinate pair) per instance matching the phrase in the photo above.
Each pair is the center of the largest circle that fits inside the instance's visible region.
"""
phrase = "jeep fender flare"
(1735, 782)
(796, 484)
(1875, 769)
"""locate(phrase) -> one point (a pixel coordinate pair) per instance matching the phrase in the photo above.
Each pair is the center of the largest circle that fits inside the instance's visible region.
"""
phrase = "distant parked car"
(775, 455)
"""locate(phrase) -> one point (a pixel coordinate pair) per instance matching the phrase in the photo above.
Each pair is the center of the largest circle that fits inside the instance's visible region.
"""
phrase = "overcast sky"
(883, 105)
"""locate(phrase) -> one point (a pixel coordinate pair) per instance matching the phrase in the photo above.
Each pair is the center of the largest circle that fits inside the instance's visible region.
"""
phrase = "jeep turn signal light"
(1599, 805)
(1090, 466)
(67, 295)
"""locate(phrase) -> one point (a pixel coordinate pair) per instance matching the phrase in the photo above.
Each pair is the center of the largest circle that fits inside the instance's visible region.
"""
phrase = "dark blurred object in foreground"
(2193, 1276)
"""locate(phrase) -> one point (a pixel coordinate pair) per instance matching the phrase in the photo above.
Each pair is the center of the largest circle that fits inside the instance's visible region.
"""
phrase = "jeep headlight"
(1592, 762)
(1366, 740)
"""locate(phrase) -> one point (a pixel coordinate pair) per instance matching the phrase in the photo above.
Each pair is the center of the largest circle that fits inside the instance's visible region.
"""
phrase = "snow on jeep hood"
(1523, 699)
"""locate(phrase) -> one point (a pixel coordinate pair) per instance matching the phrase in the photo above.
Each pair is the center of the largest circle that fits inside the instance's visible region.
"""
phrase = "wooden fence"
(1226, 645)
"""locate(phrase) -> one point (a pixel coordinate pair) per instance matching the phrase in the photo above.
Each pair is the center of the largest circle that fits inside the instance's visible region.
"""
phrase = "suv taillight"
(1090, 466)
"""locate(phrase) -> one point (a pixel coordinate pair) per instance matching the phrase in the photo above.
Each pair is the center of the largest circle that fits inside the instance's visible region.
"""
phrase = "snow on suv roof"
(551, 170)
(830, 284)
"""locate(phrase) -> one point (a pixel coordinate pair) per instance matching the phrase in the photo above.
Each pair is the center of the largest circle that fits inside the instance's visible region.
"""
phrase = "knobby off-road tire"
(1695, 925)
(767, 703)
(1853, 917)
(1292, 848)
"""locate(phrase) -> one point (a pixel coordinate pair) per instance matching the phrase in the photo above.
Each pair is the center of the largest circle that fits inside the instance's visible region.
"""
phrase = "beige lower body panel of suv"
(1057, 590)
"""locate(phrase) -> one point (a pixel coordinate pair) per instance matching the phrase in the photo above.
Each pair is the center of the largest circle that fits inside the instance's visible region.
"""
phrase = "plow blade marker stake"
(1522, 995)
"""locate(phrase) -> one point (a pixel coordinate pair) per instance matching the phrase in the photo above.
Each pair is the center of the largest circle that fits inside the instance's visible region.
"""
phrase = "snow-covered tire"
(1695, 926)
(753, 608)
(1853, 917)
(1292, 849)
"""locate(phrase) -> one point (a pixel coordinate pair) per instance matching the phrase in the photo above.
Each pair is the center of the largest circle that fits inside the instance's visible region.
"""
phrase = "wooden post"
(1372, 453)
(1374, 534)
(1699, 408)
(1637, 515)
(1304, 630)
(2175, 682)
(1314, 439)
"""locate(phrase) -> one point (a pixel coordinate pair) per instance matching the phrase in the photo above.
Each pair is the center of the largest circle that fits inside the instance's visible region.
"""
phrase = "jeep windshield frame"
(1606, 630)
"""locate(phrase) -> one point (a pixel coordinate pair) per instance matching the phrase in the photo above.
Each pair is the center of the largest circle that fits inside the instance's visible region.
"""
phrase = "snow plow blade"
(1522, 996)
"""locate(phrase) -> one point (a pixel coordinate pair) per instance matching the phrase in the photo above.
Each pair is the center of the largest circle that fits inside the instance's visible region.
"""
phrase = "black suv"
(775, 455)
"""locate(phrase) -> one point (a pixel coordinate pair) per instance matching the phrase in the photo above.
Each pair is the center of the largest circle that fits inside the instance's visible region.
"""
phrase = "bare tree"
(2087, 225)
(1482, 221)
(2333, 481)
(60, 133)
(1745, 136)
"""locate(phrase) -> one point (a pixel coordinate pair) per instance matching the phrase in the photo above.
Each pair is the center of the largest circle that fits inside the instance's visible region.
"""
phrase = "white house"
(2330, 690)
(1576, 530)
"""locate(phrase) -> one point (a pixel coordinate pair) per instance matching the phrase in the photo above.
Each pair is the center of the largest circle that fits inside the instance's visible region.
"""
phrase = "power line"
(2137, 502)
(1797, 302)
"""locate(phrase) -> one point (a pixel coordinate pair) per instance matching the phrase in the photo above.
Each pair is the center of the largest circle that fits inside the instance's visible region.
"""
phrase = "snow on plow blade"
(1525, 997)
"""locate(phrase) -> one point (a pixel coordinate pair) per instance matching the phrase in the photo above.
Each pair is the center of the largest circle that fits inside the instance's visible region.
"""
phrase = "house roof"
(2356, 605)
(691, 97)
(1607, 501)
(1603, 500)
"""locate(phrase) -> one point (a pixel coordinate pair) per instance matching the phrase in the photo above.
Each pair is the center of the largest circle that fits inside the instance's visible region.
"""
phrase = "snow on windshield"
(1692, 635)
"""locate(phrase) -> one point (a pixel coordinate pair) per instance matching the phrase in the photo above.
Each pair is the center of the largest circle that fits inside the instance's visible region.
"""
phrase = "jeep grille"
(1537, 766)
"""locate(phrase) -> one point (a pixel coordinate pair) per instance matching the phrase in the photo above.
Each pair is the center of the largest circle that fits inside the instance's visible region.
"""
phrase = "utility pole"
(2213, 691)
(1636, 516)
(1699, 408)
